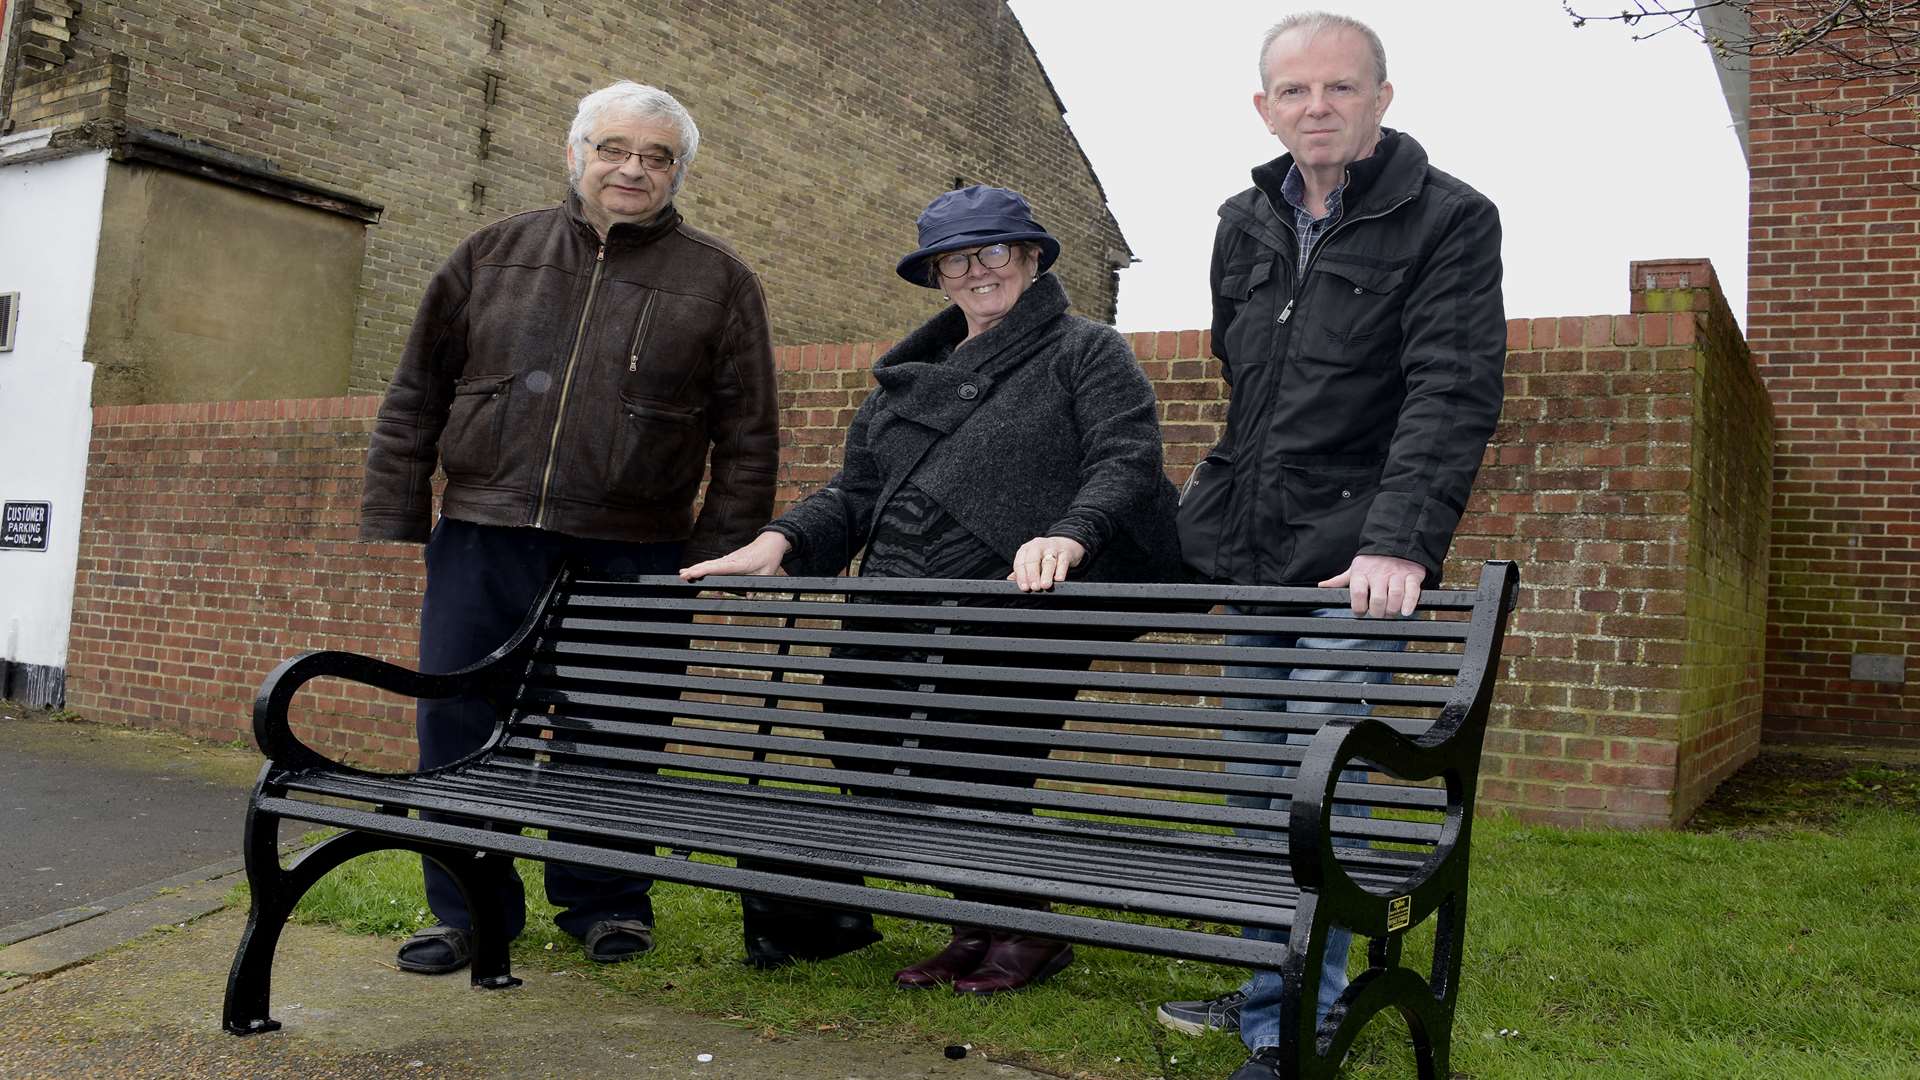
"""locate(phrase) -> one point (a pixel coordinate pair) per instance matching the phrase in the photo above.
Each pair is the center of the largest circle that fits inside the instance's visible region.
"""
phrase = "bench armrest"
(275, 737)
(1451, 751)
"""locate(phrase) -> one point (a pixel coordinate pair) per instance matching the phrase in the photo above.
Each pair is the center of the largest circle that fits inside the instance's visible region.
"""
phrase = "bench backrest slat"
(1160, 650)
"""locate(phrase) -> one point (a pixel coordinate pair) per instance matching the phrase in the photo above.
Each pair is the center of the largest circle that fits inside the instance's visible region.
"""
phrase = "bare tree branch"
(1837, 45)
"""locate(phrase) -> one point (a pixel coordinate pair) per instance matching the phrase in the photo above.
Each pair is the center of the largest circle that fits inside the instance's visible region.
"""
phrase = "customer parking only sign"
(24, 526)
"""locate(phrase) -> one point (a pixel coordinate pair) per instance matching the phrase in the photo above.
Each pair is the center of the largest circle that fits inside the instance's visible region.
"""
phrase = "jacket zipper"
(640, 333)
(566, 384)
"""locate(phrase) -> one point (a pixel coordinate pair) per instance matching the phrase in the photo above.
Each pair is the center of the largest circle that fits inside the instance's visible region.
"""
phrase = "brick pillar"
(1629, 480)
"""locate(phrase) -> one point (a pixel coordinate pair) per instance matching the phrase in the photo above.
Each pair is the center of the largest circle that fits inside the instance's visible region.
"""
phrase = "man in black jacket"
(574, 370)
(1357, 317)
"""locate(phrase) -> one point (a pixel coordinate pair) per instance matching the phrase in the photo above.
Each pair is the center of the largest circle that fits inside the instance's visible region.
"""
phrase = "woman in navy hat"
(1005, 438)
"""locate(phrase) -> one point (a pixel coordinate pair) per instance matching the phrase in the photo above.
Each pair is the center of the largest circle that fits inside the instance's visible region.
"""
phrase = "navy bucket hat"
(975, 217)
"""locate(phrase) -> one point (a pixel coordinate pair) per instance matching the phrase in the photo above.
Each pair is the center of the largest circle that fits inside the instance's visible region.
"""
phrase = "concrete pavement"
(151, 1008)
(88, 812)
(109, 980)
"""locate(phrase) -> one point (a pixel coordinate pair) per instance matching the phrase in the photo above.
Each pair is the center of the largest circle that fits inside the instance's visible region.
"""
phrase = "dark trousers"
(481, 582)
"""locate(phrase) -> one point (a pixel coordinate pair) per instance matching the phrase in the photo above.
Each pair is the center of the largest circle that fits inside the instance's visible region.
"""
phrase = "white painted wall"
(49, 242)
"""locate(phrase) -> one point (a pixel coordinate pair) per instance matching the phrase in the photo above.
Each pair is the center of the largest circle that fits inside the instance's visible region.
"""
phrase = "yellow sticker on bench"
(1399, 912)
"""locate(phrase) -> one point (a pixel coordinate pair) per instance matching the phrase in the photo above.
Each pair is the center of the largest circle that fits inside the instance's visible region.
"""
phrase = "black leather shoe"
(1263, 1065)
(778, 937)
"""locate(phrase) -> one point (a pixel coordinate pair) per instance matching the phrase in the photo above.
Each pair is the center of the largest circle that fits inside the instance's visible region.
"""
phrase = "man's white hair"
(641, 102)
(1315, 22)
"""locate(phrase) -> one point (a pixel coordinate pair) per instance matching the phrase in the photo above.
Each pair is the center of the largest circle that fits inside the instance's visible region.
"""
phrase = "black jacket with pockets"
(1364, 391)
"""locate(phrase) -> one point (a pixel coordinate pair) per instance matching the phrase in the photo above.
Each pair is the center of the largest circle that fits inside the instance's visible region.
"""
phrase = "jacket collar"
(931, 384)
(624, 235)
(1040, 304)
(1393, 173)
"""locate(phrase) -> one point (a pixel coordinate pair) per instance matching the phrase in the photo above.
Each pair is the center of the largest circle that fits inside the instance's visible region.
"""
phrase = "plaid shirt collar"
(1307, 227)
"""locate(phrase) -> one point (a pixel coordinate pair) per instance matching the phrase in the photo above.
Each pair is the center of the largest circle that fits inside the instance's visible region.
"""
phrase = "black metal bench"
(645, 719)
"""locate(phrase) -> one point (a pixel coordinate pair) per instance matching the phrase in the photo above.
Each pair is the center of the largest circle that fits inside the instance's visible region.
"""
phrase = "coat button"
(968, 391)
(1346, 494)
(1357, 290)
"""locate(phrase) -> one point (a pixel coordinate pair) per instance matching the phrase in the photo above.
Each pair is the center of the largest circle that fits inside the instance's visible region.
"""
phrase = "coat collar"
(623, 234)
(1393, 173)
(929, 380)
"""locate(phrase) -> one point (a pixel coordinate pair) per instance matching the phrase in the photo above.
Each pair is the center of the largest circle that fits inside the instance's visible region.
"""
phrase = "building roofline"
(169, 151)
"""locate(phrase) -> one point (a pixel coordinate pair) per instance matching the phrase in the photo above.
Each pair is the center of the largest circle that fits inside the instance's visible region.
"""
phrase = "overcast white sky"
(1598, 150)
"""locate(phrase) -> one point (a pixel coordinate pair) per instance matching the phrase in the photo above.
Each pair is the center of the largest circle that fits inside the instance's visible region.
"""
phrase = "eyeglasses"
(954, 264)
(652, 160)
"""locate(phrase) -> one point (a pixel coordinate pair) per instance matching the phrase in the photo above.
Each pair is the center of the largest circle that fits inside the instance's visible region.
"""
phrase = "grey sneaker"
(1199, 1017)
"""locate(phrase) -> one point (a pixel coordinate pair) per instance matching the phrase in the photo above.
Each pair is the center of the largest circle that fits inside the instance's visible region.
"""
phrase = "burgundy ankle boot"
(960, 957)
(1014, 961)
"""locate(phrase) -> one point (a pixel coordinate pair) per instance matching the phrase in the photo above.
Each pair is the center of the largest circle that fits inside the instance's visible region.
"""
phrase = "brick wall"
(824, 127)
(219, 539)
(1634, 677)
(1628, 478)
(1834, 297)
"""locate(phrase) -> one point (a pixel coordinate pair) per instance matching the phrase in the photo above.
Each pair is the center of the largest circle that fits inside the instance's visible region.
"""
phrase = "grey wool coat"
(1044, 420)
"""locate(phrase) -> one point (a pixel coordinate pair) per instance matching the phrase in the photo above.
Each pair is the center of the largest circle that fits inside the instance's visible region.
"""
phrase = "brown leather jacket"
(577, 386)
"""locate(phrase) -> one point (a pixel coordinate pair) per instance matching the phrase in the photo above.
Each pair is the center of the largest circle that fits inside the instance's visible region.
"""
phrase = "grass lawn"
(1774, 939)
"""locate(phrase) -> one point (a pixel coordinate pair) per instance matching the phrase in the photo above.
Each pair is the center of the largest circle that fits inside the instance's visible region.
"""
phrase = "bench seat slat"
(1181, 848)
(1140, 937)
(1172, 838)
(878, 842)
(1197, 781)
(1162, 809)
(1273, 906)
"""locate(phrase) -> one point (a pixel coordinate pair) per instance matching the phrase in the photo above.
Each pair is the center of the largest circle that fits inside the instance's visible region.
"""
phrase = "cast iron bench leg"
(1425, 1002)
(491, 969)
(250, 980)
(275, 892)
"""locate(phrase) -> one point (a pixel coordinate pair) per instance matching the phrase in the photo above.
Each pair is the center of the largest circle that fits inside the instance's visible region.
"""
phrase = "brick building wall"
(1628, 478)
(1834, 303)
(824, 127)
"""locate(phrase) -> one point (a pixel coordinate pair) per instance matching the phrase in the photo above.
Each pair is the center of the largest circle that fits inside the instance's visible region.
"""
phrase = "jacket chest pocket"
(658, 452)
(666, 348)
(641, 325)
(1359, 314)
(1239, 282)
(1250, 313)
(470, 442)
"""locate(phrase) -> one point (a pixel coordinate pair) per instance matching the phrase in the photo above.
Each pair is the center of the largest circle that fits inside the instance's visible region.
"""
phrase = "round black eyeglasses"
(954, 263)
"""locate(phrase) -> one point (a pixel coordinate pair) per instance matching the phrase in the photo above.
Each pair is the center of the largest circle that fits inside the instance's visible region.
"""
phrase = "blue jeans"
(1260, 1015)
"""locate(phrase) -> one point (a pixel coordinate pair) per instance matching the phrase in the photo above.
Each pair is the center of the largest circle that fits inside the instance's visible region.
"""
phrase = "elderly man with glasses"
(574, 371)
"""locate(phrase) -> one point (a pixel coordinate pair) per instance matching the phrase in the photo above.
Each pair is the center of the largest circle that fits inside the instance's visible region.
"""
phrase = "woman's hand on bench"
(1044, 560)
(760, 558)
